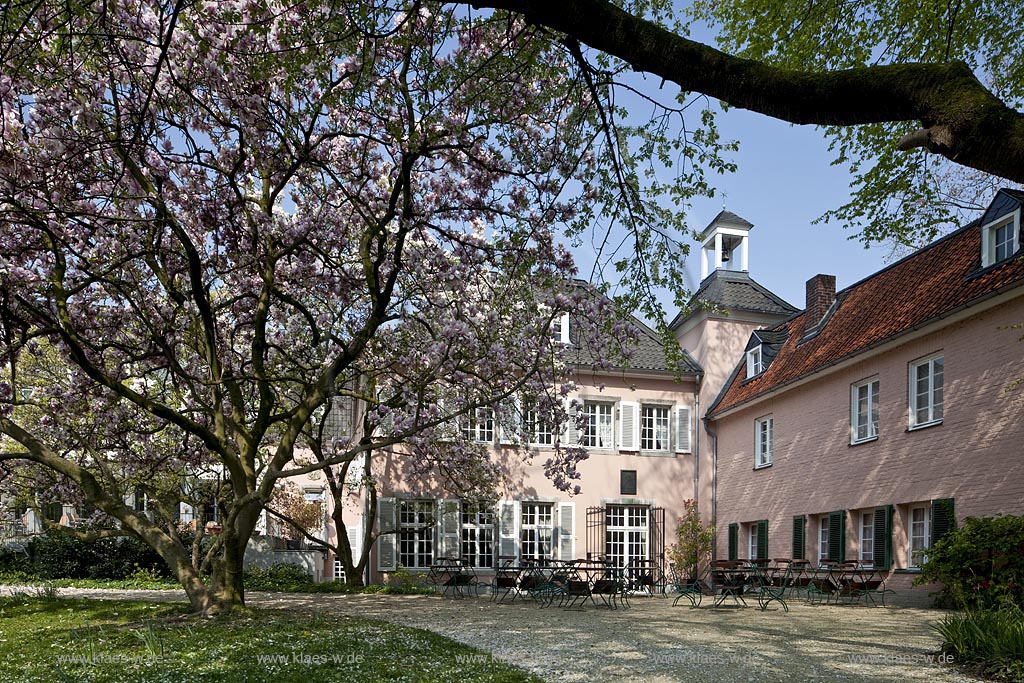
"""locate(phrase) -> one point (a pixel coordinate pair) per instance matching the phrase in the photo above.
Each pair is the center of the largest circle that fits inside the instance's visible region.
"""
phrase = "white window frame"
(989, 246)
(764, 438)
(538, 431)
(752, 541)
(933, 407)
(559, 328)
(536, 525)
(823, 527)
(475, 536)
(423, 535)
(871, 395)
(655, 427)
(627, 533)
(479, 426)
(919, 534)
(599, 431)
(755, 364)
(866, 552)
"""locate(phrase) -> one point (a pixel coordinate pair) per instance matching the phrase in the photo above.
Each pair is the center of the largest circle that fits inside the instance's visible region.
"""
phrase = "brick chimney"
(821, 293)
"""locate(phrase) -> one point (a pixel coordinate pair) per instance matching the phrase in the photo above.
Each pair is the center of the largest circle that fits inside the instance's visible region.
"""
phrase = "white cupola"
(725, 244)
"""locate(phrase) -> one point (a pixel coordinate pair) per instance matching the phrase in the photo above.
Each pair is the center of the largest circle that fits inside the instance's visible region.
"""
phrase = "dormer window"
(1000, 239)
(559, 329)
(754, 362)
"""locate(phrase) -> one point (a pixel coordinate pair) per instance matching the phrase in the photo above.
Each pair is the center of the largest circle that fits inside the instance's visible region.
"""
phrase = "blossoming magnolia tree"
(217, 217)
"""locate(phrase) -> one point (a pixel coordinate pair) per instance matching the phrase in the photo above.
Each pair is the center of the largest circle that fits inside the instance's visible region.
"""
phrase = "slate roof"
(649, 354)
(727, 218)
(928, 285)
(735, 290)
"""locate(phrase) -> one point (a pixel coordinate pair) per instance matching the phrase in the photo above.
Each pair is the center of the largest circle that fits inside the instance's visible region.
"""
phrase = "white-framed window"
(822, 539)
(538, 431)
(920, 534)
(754, 362)
(559, 329)
(926, 382)
(752, 545)
(626, 533)
(1001, 239)
(654, 428)
(598, 430)
(416, 533)
(764, 432)
(866, 553)
(478, 537)
(864, 411)
(536, 527)
(479, 426)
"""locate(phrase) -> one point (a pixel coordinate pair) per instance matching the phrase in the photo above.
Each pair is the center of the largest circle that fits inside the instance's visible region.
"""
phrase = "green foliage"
(403, 581)
(117, 641)
(59, 554)
(899, 198)
(282, 576)
(990, 641)
(693, 541)
(980, 564)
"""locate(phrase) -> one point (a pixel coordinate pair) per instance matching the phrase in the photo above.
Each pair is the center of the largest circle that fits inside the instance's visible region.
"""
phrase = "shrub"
(282, 576)
(989, 641)
(404, 582)
(58, 554)
(693, 542)
(15, 563)
(980, 564)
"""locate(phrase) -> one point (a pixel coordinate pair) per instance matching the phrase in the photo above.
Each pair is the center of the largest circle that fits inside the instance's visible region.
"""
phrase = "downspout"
(713, 438)
(696, 441)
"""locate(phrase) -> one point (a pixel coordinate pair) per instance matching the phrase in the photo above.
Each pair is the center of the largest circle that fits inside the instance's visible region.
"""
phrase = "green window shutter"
(943, 519)
(799, 536)
(883, 537)
(387, 511)
(734, 541)
(837, 536)
(762, 539)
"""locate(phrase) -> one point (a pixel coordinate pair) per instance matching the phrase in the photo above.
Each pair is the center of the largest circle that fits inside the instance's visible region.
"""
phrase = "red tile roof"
(924, 286)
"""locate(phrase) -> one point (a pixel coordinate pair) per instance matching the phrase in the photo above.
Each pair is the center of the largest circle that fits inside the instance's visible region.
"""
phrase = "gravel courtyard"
(654, 642)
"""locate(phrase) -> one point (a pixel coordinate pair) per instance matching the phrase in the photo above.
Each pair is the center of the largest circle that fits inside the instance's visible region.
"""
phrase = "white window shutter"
(387, 510)
(355, 541)
(449, 531)
(629, 426)
(683, 429)
(566, 531)
(508, 541)
(509, 421)
(570, 435)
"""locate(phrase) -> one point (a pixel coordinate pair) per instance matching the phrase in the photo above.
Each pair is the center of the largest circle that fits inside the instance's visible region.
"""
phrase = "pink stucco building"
(858, 428)
(863, 426)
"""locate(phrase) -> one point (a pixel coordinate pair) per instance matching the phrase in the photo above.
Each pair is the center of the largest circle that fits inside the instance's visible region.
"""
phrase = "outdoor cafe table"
(730, 580)
(604, 580)
(855, 582)
(453, 576)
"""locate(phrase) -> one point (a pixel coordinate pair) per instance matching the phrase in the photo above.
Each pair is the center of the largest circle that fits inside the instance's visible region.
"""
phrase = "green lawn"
(93, 641)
